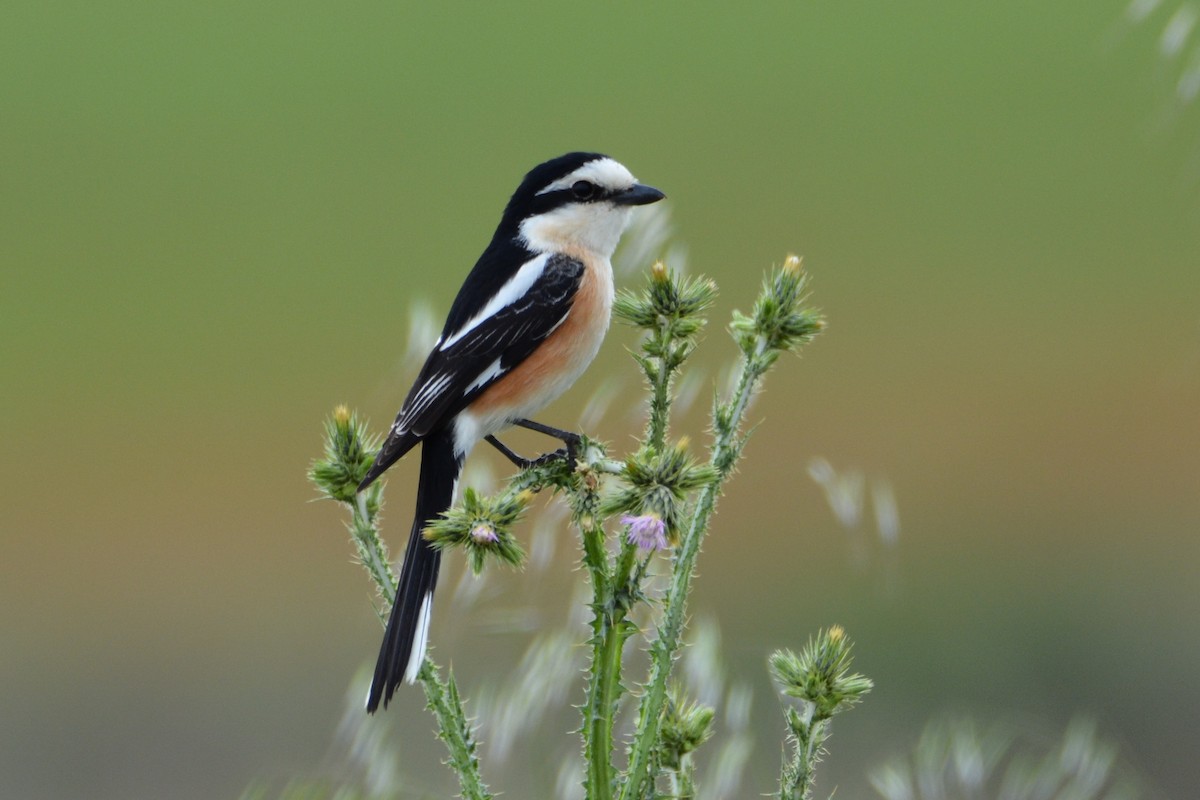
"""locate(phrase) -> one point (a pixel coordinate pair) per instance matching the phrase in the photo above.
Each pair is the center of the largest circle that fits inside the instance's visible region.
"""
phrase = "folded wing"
(508, 328)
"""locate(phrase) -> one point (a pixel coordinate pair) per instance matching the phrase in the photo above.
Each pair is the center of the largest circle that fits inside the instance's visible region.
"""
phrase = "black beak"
(638, 195)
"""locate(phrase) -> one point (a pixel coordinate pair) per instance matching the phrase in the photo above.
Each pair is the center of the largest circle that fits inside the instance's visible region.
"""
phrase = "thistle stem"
(610, 631)
(797, 778)
(666, 645)
(441, 698)
(683, 780)
(372, 552)
(607, 645)
(660, 398)
(454, 729)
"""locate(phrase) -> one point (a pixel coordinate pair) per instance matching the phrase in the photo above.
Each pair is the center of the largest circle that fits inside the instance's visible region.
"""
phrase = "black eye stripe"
(556, 198)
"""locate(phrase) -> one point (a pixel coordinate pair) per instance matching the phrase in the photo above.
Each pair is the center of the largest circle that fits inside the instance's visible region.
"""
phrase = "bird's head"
(579, 201)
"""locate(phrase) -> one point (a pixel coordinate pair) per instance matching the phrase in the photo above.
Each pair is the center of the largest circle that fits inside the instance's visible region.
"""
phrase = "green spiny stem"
(662, 652)
(798, 777)
(683, 780)
(666, 645)
(584, 500)
(597, 756)
(610, 630)
(372, 552)
(443, 700)
(660, 381)
(594, 556)
(598, 711)
(621, 583)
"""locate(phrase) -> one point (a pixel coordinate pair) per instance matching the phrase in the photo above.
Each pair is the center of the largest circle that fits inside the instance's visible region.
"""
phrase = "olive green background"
(214, 222)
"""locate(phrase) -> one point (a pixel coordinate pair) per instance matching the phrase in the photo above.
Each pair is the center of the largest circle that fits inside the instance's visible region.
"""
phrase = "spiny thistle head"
(820, 674)
(482, 527)
(658, 484)
(670, 302)
(779, 321)
(685, 726)
(349, 453)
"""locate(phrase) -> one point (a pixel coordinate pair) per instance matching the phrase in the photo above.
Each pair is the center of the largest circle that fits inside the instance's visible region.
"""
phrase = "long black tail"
(403, 647)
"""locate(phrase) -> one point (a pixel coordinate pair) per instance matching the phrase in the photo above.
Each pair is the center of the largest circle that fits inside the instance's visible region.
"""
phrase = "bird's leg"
(570, 452)
(571, 440)
(520, 461)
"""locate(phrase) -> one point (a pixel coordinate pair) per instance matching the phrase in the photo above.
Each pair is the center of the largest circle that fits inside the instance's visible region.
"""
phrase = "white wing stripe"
(430, 390)
(427, 395)
(493, 371)
(512, 291)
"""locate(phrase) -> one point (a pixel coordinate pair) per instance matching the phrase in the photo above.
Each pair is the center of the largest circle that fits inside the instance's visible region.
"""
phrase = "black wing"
(457, 373)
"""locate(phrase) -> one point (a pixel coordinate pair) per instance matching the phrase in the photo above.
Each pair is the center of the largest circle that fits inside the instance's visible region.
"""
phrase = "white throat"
(595, 227)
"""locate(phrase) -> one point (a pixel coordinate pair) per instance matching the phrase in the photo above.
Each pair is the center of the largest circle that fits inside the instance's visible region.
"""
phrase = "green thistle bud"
(482, 528)
(820, 674)
(349, 453)
(670, 304)
(779, 321)
(685, 726)
(658, 484)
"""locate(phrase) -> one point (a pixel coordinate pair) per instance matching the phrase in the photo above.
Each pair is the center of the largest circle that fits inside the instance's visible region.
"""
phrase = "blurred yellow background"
(215, 221)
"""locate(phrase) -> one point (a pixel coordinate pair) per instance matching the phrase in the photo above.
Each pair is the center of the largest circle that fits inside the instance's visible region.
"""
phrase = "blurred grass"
(1002, 236)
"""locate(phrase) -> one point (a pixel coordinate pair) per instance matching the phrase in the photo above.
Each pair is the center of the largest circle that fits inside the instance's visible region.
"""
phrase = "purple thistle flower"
(484, 534)
(648, 531)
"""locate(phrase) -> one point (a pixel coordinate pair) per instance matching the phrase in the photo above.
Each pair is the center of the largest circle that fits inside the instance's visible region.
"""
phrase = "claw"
(563, 453)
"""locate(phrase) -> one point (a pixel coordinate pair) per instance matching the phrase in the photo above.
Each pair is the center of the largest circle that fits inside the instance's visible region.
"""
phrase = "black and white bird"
(526, 323)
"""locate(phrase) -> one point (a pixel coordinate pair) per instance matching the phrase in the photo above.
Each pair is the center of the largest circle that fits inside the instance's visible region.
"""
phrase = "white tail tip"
(420, 640)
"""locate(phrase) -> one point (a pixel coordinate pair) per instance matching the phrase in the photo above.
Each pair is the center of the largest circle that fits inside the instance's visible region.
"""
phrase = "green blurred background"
(215, 220)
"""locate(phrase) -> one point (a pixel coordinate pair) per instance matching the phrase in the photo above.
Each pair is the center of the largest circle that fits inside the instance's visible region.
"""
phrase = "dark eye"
(583, 190)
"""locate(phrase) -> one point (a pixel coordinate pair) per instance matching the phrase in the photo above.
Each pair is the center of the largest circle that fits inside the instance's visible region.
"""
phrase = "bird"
(526, 323)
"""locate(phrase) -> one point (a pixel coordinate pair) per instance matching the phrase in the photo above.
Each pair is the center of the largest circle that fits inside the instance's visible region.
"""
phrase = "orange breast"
(561, 358)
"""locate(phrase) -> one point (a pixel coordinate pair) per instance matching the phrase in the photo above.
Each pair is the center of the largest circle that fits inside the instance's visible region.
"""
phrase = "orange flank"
(564, 354)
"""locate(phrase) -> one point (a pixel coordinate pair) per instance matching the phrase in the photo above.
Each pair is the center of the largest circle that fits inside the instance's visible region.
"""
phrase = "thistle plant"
(638, 517)
(820, 678)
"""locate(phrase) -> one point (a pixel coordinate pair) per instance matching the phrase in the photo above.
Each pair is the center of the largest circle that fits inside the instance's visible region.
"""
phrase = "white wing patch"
(493, 371)
(512, 291)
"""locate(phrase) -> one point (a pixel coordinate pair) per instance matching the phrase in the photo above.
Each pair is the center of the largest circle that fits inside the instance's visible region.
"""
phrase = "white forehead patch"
(603, 172)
